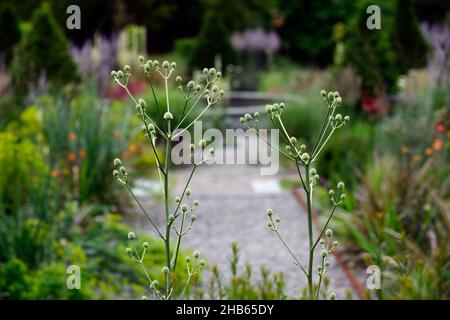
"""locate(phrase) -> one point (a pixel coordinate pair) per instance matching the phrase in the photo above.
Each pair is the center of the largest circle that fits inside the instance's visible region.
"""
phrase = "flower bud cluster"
(120, 173)
(339, 196)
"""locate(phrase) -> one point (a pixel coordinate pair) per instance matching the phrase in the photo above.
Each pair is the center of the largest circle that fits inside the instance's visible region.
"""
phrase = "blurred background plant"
(61, 123)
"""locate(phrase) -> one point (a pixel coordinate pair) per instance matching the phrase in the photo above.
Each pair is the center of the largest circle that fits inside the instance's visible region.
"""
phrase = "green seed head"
(144, 298)
(123, 170)
(131, 235)
(145, 245)
(193, 218)
(329, 233)
(202, 263)
(331, 192)
(168, 116)
(347, 118)
(322, 241)
(269, 212)
(324, 253)
(202, 143)
(335, 243)
(302, 148)
(196, 254)
(293, 140)
(188, 192)
(191, 84)
(117, 162)
(184, 208)
(127, 69)
(338, 117)
(212, 72)
(173, 65)
(323, 93)
(340, 185)
(178, 79)
(195, 203)
(332, 296)
(313, 172)
(305, 157)
(165, 64)
(141, 59)
(128, 251)
(269, 224)
(165, 270)
(188, 259)
(116, 173)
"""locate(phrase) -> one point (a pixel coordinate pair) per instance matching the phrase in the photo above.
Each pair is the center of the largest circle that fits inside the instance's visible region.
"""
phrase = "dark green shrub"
(308, 26)
(213, 40)
(43, 49)
(10, 33)
(409, 42)
(185, 46)
(372, 52)
(13, 282)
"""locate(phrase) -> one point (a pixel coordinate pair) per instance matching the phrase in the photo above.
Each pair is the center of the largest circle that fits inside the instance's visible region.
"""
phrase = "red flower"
(439, 127)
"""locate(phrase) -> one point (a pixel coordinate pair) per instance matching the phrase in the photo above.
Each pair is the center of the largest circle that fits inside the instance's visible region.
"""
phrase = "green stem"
(310, 234)
(166, 209)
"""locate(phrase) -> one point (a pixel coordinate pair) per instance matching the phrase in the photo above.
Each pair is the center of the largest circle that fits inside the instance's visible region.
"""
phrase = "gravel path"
(233, 200)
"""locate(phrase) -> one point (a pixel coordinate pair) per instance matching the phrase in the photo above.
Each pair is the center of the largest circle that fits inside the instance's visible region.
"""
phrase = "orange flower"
(437, 144)
(71, 157)
(416, 157)
(54, 173)
(117, 134)
(404, 150)
(133, 148)
(72, 136)
(82, 153)
(428, 151)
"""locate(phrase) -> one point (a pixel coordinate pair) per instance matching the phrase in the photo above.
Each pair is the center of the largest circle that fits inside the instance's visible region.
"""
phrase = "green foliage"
(23, 168)
(241, 285)
(401, 224)
(408, 39)
(372, 52)
(303, 119)
(213, 40)
(307, 29)
(84, 130)
(185, 46)
(348, 154)
(42, 49)
(10, 34)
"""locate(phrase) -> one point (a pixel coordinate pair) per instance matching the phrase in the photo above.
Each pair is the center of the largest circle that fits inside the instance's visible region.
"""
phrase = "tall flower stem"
(310, 232)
